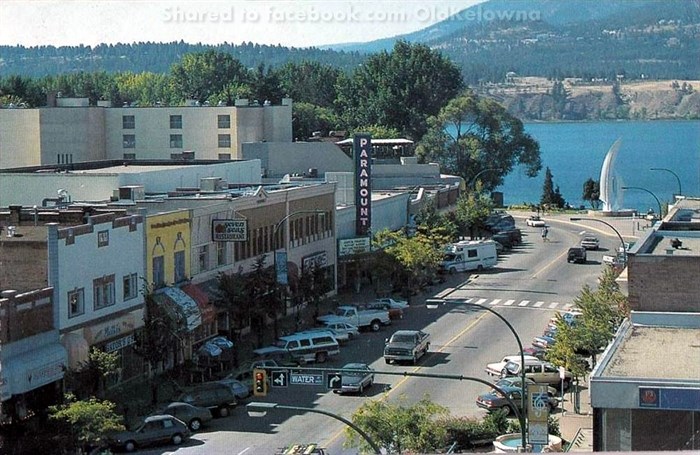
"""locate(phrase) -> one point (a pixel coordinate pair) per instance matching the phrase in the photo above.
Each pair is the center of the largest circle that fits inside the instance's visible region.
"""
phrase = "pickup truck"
(406, 345)
(374, 319)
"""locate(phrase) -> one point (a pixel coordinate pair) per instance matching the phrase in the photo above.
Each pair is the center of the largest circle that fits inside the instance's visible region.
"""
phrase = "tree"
(307, 118)
(377, 131)
(202, 75)
(551, 196)
(265, 296)
(399, 427)
(87, 422)
(230, 295)
(265, 85)
(471, 135)
(591, 192)
(472, 210)
(309, 82)
(164, 331)
(399, 89)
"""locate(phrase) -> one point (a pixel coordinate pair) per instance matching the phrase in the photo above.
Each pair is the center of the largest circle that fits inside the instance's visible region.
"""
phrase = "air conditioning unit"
(209, 183)
(132, 193)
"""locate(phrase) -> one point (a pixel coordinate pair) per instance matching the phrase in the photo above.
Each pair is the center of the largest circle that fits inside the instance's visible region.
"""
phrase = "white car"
(496, 368)
(344, 329)
(394, 303)
(589, 242)
(535, 221)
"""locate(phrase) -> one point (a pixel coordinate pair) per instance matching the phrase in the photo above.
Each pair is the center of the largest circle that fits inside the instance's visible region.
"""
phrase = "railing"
(575, 441)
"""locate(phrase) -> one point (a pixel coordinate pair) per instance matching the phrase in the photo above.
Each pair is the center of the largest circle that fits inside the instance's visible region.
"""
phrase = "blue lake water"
(575, 152)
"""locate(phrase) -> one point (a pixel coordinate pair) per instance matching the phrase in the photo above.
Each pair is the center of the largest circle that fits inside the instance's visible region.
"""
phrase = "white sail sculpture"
(609, 181)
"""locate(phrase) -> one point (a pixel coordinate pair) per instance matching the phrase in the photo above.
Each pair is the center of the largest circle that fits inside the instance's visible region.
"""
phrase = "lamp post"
(432, 303)
(644, 189)
(680, 192)
(259, 409)
(473, 180)
(622, 240)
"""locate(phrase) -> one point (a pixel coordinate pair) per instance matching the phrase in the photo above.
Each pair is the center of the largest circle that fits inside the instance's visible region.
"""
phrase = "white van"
(305, 346)
(469, 255)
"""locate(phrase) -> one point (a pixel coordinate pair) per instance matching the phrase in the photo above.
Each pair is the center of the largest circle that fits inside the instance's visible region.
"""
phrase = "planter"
(509, 443)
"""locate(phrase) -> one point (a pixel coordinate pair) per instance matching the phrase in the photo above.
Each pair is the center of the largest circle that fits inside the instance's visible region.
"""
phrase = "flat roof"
(690, 245)
(656, 352)
(127, 169)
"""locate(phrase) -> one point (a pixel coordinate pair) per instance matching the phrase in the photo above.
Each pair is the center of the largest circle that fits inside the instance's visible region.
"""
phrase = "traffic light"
(260, 378)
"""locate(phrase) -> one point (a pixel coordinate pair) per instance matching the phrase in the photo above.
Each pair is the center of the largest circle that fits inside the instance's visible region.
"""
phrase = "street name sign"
(306, 379)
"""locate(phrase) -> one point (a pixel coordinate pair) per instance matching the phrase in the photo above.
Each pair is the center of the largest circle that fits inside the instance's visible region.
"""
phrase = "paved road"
(529, 285)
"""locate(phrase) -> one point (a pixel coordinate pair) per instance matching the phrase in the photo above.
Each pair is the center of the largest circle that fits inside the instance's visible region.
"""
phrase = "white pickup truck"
(374, 319)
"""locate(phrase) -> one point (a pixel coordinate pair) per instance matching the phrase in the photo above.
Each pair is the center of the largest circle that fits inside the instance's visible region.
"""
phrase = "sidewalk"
(577, 427)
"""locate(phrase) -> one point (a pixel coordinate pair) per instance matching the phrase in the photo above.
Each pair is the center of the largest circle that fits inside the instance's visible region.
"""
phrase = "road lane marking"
(524, 303)
(495, 302)
(508, 302)
(538, 304)
(553, 305)
(481, 301)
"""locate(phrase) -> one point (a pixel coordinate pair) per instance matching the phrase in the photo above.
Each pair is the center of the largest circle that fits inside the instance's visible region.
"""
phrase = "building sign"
(538, 413)
(281, 268)
(111, 329)
(121, 343)
(316, 260)
(229, 230)
(358, 245)
(362, 148)
(648, 397)
(45, 374)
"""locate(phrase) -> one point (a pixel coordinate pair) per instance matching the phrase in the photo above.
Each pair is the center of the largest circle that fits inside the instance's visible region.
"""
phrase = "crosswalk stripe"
(495, 302)
(524, 303)
(553, 304)
(568, 305)
(469, 300)
(538, 304)
(508, 302)
(480, 301)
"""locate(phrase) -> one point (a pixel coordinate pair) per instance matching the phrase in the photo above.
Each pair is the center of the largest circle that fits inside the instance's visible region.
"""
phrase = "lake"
(575, 152)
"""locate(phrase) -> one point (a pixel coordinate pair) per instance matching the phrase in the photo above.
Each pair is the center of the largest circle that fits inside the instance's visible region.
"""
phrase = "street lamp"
(680, 192)
(644, 189)
(433, 303)
(473, 180)
(622, 240)
(259, 409)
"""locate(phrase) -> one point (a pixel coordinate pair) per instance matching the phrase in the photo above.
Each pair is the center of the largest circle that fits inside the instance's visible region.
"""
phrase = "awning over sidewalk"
(200, 296)
(184, 303)
(33, 369)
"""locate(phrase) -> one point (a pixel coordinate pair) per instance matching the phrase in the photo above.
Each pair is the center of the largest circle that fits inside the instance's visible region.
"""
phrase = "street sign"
(280, 378)
(334, 381)
(306, 379)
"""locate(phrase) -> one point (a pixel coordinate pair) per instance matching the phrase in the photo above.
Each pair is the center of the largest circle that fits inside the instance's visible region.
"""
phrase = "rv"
(469, 255)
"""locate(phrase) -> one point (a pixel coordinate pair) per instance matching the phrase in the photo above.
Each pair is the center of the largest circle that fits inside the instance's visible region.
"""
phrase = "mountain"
(587, 39)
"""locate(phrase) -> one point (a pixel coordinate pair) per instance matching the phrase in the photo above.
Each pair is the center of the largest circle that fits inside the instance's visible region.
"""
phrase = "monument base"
(625, 213)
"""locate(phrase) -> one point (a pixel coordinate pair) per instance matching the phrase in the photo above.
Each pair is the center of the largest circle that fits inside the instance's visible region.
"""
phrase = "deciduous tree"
(591, 192)
(88, 421)
(471, 135)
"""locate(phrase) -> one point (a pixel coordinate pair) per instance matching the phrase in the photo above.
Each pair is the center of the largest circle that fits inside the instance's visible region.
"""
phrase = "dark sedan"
(356, 382)
(494, 400)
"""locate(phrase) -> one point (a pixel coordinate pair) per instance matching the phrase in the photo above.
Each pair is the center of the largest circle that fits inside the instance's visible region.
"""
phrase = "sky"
(299, 23)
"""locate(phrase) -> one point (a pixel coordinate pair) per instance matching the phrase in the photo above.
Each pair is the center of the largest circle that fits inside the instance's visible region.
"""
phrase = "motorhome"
(469, 255)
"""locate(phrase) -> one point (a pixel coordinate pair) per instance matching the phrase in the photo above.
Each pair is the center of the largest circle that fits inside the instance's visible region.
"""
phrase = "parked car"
(494, 400)
(216, 397)
(535, 221)
(570, 318)
(349, 330)
(157, 429)
(193, 416)
(394, 302)
(515, 381)
(546, 340)
(536, 351)
(240, 389)
(356, 382)
(576, 255)
(341, 336)
(539, 371)
(395, 312)
(302, 449)
(515, 235)
(496, 368)
(590, 242)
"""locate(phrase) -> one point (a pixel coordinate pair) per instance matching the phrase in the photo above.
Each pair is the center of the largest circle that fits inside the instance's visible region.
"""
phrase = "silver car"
(356, 382)
(157, 429)
(193, 416)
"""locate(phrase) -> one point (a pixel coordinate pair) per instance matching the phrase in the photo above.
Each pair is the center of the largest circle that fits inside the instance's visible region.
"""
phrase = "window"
(221, 253)
(129, 156)
(224, 141)
(224, 121)
(203, 258)
(179, 266)
(103, 290)
(131, 284)
(102, 239)
(129, 141)
(76, 302)
(224, 156)
(158, 271)
(176, 141)
(304, 343)
(128, 122)
(471, 253)
(176, 122)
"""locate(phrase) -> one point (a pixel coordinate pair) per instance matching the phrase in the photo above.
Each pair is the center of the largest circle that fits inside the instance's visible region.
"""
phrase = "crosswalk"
(541, 304)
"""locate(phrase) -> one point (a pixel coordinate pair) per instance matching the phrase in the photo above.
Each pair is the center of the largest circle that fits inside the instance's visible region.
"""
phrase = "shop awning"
(202, 298)
(33, 369)
(185, 304)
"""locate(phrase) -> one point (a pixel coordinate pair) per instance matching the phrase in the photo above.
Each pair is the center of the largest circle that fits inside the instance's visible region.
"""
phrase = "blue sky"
(297, 23)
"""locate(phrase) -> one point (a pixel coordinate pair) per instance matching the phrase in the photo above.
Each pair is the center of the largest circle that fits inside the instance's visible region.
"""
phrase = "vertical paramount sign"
(362, 148)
